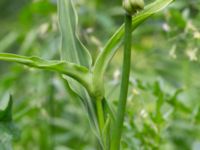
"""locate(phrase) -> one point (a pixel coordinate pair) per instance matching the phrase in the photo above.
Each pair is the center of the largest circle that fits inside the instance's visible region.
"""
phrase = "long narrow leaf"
(8, 130)
(76, 72)
(72, 49)
(114, 42)
(6, 109)
(8, 40)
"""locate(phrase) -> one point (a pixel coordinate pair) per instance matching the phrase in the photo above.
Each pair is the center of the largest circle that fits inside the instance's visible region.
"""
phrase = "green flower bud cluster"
(133, 6)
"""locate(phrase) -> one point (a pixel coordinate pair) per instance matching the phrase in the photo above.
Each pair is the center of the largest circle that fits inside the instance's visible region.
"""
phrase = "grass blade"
(114, 42)
(79, 73)
(72, 49)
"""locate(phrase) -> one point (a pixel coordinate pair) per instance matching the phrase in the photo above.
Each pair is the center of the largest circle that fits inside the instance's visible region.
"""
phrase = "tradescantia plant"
(83, 78)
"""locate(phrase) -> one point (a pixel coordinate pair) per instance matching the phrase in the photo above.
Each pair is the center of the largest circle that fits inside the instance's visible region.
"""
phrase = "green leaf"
(72, 49)
(114, 42)
(74, 71)
(8, 40)
(8, 131)
(6, 109)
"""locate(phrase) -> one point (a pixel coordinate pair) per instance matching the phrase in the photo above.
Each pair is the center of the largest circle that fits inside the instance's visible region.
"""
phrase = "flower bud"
(133, 6)
(127, 6)
(137, 4)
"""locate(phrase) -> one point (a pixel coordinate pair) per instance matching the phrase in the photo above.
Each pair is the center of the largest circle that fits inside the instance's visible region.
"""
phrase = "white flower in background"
(116, 75)
(166, 27)
(135, 91)
(190, 26)
(43, 29)
(90, 30)
(172, 52)
(96, 41)
(143, 113)
(196, 35)
(192, 54)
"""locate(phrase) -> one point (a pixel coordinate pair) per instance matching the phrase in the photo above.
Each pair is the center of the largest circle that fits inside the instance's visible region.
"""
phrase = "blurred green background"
(164, 99)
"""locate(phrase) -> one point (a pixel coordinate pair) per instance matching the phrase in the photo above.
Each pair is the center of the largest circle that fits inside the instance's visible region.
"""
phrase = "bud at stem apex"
(133, 6)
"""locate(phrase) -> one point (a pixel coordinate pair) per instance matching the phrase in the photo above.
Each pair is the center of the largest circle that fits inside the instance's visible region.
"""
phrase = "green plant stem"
(100, 115)
(117, 129)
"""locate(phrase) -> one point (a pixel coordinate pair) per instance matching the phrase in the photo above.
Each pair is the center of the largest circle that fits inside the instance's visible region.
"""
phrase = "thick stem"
(118, 125)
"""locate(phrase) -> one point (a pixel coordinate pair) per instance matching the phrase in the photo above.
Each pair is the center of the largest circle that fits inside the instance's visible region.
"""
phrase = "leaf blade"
(8, 130)
(114, 42)
(79, 73)
(72, 49)
(6, 109)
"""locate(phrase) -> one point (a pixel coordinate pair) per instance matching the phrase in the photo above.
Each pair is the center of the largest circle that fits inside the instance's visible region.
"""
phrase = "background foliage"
(163, 105)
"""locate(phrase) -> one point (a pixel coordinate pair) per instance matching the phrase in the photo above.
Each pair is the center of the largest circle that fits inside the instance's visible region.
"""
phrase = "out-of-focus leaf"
(197, 115)
(177, 20)
(8, 131)
(6, 109)
(28, 41)
(158, 116)
(8, 40)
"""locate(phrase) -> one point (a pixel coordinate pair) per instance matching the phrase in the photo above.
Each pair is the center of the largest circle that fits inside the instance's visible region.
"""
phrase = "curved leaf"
(6, 109)
(79, 73)
(8, 130)
(114, 42)
(8, 40)
(72, 49)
